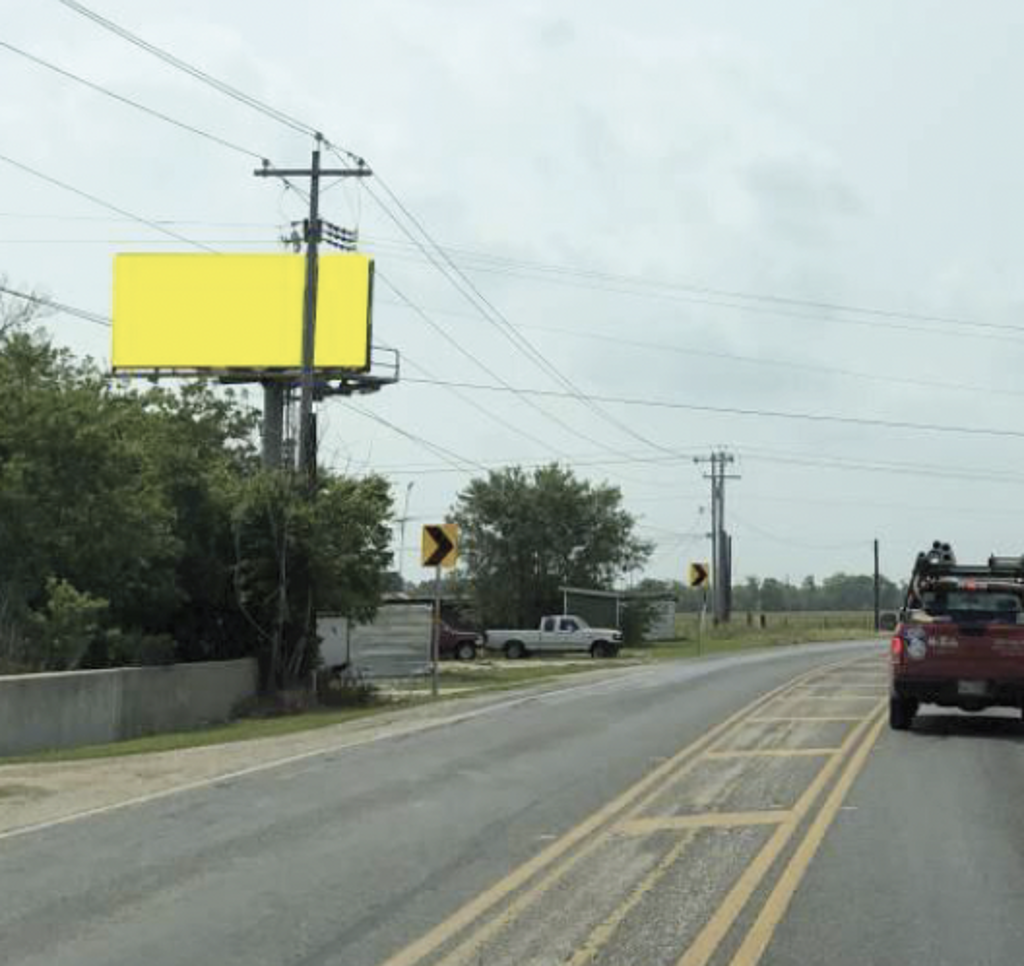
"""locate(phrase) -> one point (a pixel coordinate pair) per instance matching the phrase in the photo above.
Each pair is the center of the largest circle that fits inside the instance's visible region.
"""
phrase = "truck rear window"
(973, 605)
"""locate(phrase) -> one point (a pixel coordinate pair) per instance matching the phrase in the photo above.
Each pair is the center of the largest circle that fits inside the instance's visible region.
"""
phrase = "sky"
(807, 214)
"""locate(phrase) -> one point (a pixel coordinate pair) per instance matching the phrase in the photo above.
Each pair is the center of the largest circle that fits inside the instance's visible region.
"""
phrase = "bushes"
(139, 528)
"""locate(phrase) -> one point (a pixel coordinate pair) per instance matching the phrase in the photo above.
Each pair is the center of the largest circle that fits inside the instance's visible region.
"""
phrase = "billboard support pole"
(273, 424)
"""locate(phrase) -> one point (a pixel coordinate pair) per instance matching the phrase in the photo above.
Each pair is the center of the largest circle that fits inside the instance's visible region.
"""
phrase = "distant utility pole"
(721, 542)
(313, 234)
(402, 522)
(878, 588)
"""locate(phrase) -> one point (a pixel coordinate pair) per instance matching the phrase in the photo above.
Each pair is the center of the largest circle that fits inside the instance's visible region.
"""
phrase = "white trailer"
(395, 644)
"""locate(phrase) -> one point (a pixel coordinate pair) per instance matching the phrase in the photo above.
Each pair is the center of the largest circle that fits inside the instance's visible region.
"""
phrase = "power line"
(195, 72)
(902, 379)
(449, 456)
(496, 264)
(554, 268)
(266, 225)
(747, 411)
(44, 302)
(799, 544)
(654, 346)
(468, 289)
(459, 347)
(155, 225)
(780, 312)
(473, 404)
(215, 138)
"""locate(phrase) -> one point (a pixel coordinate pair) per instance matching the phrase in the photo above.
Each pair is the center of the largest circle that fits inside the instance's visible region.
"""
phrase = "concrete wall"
(62, 710)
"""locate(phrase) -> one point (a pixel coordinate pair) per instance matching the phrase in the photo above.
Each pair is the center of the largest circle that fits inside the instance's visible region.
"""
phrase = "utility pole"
(314, 231)
(402, 522)
(275, 392)
(878, 589)
(721, 543)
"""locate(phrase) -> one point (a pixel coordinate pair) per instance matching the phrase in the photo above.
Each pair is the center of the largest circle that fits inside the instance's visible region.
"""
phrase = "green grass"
(792, 622)
(240, 730)
(803, 627)
(244, 729)
(500, 678)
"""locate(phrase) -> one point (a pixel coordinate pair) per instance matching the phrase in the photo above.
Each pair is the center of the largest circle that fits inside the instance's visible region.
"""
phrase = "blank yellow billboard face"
(217, 312)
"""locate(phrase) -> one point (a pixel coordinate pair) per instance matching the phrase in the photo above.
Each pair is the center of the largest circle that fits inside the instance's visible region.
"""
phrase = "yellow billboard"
(206, 312)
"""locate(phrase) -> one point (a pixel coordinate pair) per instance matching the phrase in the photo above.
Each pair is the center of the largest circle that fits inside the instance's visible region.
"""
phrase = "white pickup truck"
(564, 632)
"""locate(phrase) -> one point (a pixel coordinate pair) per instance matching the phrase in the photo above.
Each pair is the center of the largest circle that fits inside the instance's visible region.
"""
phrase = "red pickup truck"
(959, 639)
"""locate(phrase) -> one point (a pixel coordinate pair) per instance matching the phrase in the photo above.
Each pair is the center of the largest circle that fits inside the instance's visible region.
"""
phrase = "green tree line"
(137, 526)
(839, 592)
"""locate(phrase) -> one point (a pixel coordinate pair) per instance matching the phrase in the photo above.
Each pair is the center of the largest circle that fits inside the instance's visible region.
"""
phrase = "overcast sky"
(854, 155)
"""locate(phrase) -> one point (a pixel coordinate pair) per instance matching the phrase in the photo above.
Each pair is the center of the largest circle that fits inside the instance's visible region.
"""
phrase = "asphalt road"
(660, 817)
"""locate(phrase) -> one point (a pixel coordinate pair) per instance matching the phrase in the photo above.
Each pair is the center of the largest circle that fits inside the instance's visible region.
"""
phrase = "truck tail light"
(897, 651)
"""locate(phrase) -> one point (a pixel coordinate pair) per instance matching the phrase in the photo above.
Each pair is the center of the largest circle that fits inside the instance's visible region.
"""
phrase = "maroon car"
(457, 645)
(959, 639)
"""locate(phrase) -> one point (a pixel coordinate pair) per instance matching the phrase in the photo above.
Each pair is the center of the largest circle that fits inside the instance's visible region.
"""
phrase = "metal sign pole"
(435, 637)
(700, 621)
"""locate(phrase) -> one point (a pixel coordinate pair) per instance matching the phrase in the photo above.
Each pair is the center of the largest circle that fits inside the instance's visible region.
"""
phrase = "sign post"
(699, 573)
(439, 547)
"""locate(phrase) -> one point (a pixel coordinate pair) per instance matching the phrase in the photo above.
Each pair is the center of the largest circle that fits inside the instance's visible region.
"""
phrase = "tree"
(747, 596)
(137, 525)
(773, 594)
(525, 535)
(333, 549)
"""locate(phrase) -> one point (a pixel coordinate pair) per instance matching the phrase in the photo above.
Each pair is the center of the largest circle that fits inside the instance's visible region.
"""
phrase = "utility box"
(395, 644)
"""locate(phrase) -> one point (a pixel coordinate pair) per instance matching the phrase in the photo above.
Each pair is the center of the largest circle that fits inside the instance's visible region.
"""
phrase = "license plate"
(974, 689)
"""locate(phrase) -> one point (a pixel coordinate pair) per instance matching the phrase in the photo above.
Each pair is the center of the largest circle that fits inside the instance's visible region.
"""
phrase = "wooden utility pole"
(878, 589)
(275, 393)
(721, 545)
(314, 231)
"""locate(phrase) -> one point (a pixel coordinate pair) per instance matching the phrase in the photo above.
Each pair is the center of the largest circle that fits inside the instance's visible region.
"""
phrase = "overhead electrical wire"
(491, 314)
(44, 302)
(304, 127)
(799, 544)
(753, 452)
(747, 411)
(497, 264)
(155, 225)
(449, 456)
(467, 400)
(297, 125)
(40, 216)
(479, 363)
(654, 346)
(168, 58)
(775, 300)
(99, 88)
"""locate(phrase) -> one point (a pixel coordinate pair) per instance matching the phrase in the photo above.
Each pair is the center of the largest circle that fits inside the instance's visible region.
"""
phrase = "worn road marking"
(710, 937)
(604, 931)
(725, 753)
(775, 907)
(806, 717)
(645, 826)
(631, 799)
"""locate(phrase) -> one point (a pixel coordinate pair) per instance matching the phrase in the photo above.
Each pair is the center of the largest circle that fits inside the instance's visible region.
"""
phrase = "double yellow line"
(710, 937)
(535, 876)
